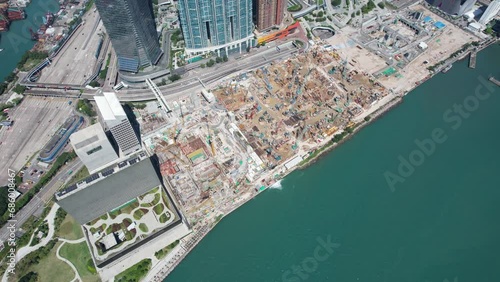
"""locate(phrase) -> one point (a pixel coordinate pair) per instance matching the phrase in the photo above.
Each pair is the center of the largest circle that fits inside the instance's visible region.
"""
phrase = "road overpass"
(191, 82)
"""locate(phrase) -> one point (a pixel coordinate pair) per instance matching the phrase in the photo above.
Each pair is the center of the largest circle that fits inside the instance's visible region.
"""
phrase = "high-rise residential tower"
(131, 27)
(453, 7)
(269, 13)
(221, 26)
(117, 122)
(490, 12)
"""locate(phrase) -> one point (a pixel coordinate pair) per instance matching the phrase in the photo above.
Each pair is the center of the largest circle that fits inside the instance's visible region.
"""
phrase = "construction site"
(201, 152)
(398, 48)
(82, 56)
(288, 108)
(215, 147)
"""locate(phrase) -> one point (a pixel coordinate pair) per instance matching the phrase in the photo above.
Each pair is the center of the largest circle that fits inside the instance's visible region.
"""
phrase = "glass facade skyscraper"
(131, 27)
(216, 25)
(453, 7)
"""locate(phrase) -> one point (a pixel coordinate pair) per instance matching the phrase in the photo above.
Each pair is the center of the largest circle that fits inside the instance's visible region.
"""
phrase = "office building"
(453, 7)
(116, 121)
(269, 13)
(131, 27)
(93, 147)
(490, 12)
(221, 26)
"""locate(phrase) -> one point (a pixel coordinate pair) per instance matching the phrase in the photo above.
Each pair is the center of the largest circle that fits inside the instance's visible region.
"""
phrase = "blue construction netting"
(439, 25)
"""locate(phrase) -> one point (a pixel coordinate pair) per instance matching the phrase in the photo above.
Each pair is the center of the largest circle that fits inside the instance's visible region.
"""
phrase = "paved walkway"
(24, 251)
(77, 276)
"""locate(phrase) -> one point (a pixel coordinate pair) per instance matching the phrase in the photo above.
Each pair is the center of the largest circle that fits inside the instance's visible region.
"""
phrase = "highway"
(207, 76)
(42, 197)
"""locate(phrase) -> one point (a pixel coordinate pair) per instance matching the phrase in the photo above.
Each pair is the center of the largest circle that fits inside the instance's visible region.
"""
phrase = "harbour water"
(17, 40)
(412, 197)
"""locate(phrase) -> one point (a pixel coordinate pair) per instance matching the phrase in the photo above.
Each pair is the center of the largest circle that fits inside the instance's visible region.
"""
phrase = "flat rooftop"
(109, 106)
(88, 135)
(111, 192)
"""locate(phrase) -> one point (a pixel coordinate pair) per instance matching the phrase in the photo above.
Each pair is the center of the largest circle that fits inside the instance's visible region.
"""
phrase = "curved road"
(24, 251)
(77, 275)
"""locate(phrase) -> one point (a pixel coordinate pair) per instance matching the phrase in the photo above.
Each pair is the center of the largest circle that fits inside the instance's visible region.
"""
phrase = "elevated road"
(194, 79)
(209, 75)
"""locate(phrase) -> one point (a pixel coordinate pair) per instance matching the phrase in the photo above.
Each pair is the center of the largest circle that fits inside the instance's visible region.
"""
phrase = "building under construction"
(293, 105)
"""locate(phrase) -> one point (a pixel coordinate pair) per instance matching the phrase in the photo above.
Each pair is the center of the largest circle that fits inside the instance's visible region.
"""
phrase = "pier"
(494, 80)
(472, 59)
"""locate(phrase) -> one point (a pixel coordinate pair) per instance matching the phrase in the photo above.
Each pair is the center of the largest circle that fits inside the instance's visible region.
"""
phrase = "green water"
(17, 40)
(441, 224)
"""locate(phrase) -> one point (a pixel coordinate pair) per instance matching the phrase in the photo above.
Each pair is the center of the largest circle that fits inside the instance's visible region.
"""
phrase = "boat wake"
(277, 185)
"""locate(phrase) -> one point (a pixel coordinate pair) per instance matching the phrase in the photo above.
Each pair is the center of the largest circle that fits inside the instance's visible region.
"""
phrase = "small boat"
(445, 70)
(1, 50)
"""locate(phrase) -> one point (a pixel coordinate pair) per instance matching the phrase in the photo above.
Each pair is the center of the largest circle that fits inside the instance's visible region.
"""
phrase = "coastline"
(385, 108)
(388, 106)
(189, 242)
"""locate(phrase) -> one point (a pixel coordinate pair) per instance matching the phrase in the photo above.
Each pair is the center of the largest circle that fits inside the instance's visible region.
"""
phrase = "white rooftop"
(109, 106)
(423, 45)
(88, 133)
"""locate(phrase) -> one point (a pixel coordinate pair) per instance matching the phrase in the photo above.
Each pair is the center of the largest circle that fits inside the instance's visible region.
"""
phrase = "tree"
(94, 83)
(19, 89)
(224, 58)
(174, 77)
(381, 5)
(29, 277)
(336, 2)
(218, 60)
(202, 66)
(210, 63)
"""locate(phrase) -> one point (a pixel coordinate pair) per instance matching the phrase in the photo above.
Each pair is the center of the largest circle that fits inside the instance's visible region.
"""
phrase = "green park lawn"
(79, 255)
(51, 268)
(70, 229)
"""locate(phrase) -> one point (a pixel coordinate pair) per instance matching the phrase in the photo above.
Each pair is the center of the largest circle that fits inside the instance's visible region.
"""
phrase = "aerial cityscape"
(131, 129)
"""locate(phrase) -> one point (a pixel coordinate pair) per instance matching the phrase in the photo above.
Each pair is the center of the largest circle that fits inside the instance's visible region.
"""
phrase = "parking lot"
(35, 121)
(76, 62)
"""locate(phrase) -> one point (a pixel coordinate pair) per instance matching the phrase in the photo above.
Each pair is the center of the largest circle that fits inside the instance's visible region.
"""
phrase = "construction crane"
(209, 139)
(182, 115)
(178, 158)
(344, 68)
